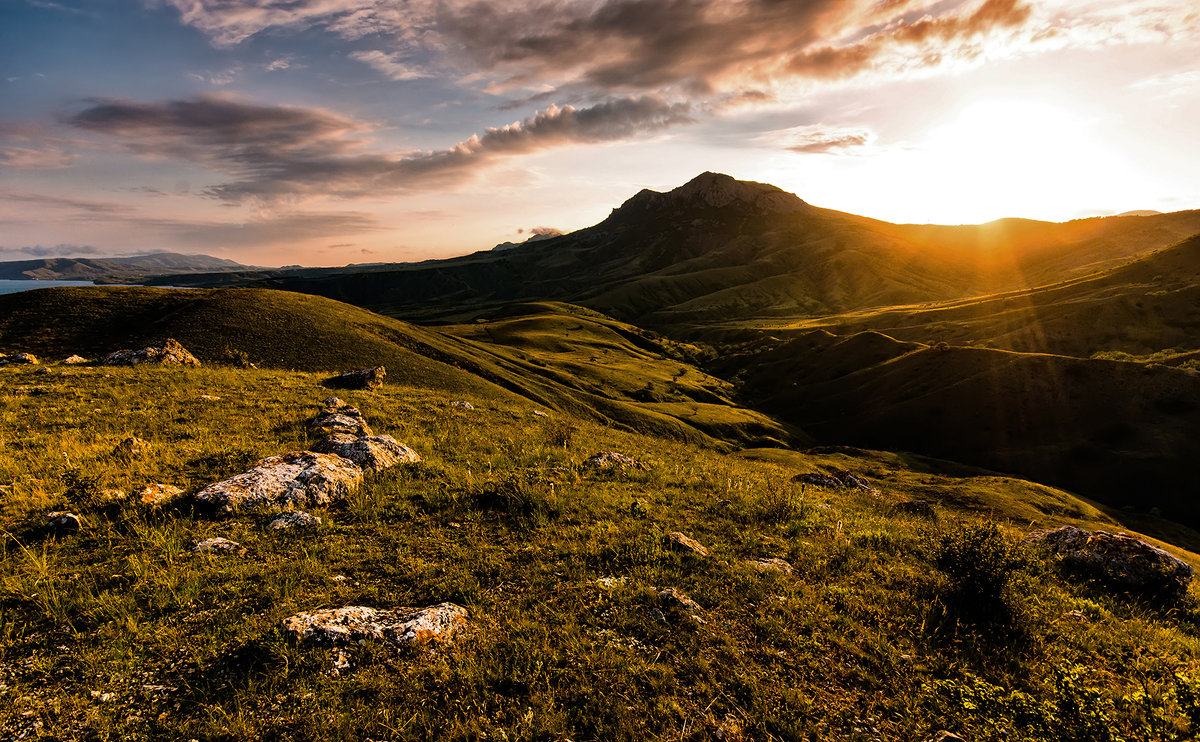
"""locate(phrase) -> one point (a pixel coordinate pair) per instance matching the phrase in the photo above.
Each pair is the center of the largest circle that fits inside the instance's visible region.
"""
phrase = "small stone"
(606, 460)
(113, 495)
(373, 453)
(341, 663)
(366, 378)
(74, 360)
(773, 565)
(130, 448)
(677, 598)
(396, 626)
(340, 579)
(459, 405)
(44, 371)
(611, 583)
(210, 398)
(102, 697)
(294, 519)
(539, 413)
(676, 541)
(157, 493)
(1075, 616)
(64, 522)
(218, 545)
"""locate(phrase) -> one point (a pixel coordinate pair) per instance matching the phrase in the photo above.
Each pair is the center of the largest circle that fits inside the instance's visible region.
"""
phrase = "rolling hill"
(114, 270)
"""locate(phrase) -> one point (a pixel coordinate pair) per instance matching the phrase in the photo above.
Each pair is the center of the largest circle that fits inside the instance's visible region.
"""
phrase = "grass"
(119, 631)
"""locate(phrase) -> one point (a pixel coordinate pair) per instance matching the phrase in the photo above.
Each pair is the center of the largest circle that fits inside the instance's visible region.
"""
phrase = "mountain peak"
(718, 191)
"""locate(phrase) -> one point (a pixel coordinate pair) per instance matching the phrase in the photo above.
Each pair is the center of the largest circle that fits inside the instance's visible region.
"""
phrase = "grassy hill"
(114, 270)
(595, 367)
(120, 631)
(1141, 308)
(1123, 433)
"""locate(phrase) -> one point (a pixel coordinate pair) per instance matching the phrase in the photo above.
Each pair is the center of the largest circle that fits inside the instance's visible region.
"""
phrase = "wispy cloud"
(50, 251)
(822, 139)
(391, 65)
(277, 152)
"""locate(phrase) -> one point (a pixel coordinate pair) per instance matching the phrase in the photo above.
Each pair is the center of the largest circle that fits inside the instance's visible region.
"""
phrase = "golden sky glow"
(325, 132)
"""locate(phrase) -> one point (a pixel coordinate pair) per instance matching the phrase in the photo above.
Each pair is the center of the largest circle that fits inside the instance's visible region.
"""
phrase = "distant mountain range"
(115, 270)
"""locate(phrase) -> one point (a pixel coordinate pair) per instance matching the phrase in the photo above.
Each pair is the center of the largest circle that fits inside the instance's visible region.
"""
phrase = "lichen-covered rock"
(290, 480)
(1118, 560)
(169, 353)
(339, 418)
(157, 493)
(676, 541)
(373, 452)
(218, 545)
(366, 378)
(397, 626)
(130, 447)
(19, 359)
(608, 460)
(773, 565)
(74, 360)
(293, 519)
(64, 522)
(835, 479)
(919, 508)
(460, 405)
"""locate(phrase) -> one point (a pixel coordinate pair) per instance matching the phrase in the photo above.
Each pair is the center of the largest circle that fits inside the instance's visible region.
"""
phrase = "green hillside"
(604, 370)
(120, 631)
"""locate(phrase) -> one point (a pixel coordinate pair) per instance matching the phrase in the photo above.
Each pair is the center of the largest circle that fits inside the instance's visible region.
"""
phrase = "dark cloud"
(281, 151)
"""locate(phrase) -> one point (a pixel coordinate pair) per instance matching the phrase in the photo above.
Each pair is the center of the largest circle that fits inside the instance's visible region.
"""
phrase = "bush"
(518, 495)
(980, 567)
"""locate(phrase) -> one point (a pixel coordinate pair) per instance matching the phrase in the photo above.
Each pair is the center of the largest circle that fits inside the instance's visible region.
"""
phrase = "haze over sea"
(12, 286)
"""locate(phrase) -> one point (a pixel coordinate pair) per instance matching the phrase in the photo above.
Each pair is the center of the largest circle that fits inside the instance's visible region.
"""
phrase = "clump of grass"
(521, 494)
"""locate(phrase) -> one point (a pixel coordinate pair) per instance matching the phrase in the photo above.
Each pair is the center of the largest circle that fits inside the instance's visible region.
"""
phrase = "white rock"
(397, 626)
(290, 480)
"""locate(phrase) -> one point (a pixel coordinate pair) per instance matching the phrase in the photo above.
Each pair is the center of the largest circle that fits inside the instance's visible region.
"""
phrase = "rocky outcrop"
(291, 480)
(610, 460)
(218, 545)
(19, 359)
(366, 378)
(676, 541)
(293, 519)
(372, 453)
(339, 418)
(169, 353)
(1118, 560)
(396, 626)
(835, 479)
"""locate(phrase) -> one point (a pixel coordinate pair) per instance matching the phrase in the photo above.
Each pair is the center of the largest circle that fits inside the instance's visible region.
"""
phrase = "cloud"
(29, 147)
(392, 65)
(276, 152)
(51, 251)
(824, 139)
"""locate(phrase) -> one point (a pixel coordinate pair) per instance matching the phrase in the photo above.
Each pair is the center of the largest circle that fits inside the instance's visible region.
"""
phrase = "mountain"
(114, 270)
(720, 250)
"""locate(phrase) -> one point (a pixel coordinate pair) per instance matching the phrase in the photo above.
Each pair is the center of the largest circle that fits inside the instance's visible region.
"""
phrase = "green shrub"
(980, 566)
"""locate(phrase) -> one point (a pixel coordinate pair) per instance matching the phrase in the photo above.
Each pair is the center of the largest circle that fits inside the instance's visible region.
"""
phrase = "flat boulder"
(1118, 560)
(290, 480)
(365, 378)
(168, 353)
(157, 493)
(372, 452)
(219, 545)
(74, 360)
(676, 541)
(611, 460)
(396, 626)
(293, 519)
(339, 418)
(774, 564)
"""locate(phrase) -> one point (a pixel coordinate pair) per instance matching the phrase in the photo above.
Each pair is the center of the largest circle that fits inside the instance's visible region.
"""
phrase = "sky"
(329, 132)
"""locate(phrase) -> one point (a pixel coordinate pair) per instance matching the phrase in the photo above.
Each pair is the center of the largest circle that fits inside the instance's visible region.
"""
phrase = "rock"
(169, 353)
(678, 599)
(373, 453)
(74, 360)
(1121, 561)
(366, 378)
(462, 405)
(606, 460)
(157, 493)
(130, 447)
(835, 479)
(919, 508)
(396, 626)
(943, 736)
(295, 479)
(64, 522)
(210, 398)
(112, 495)
(339, 418)
(19, 359)
(773, 565)
(44, 371)
(294, 519)
(539, 413)
(219, 545)
(676, 541)
(611, 583)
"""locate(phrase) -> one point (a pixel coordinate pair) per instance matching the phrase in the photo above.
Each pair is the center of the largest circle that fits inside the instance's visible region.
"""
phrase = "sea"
(11, 286)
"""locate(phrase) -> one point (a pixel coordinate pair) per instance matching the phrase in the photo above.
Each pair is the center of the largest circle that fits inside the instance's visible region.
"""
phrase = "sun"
(1013, 158)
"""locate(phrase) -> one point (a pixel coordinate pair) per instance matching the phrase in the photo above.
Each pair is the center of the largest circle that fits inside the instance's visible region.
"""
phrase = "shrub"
(980, 566)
